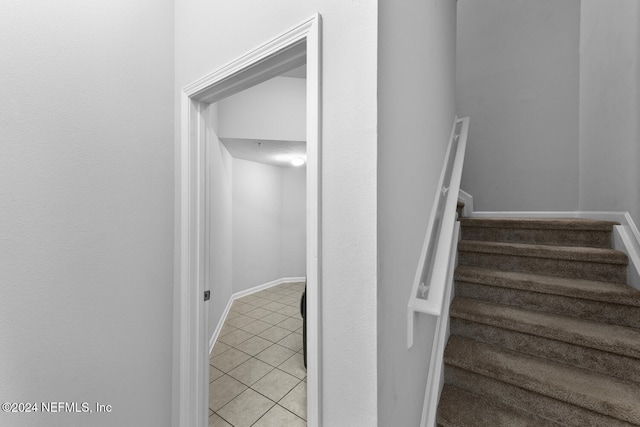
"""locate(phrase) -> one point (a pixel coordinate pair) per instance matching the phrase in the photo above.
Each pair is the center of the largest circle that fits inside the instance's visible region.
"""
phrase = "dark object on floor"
(303, 313)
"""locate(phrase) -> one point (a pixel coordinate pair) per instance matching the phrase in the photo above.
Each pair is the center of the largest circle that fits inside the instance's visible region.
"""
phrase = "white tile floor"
(257, 376)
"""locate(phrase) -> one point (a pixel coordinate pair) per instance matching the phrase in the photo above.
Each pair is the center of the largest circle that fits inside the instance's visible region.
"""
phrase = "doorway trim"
(299, 45)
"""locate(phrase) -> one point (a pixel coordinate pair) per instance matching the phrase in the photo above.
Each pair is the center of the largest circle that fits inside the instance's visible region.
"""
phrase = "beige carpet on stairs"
(544, 328)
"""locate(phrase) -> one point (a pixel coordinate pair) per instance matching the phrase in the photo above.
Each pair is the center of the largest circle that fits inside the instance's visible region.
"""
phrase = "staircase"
(544, 329)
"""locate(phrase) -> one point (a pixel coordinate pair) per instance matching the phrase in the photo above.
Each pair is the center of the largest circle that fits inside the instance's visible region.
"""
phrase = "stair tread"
(461, 408)
(562, 412)
(610, 292)
(591, 359)
(589, 390)
(581, 224)
(602, 336)
(573, 253)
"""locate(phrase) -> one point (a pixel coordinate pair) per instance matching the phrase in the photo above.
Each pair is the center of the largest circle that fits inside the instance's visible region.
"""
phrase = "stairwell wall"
(517, 79)
(610, 106)
(416, 112)
(553, 92)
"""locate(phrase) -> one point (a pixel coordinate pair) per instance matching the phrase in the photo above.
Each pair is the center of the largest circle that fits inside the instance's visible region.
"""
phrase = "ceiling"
(271, 152)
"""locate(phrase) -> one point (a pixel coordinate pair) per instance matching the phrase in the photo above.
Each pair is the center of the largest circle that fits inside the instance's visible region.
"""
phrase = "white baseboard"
(267, 285)
(467, 199)
(214, 336)
(602, 215)
(627, 239)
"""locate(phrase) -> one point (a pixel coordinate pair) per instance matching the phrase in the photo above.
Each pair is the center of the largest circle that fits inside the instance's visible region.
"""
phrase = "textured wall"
(294, 223)
(275, 109)
(257, 223)
(518, 80)
(269, 220)
(86, 201)
(610, 106)
(416, 112)
(552, 91)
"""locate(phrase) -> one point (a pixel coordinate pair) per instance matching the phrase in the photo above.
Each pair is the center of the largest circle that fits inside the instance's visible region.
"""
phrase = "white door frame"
(294, 47)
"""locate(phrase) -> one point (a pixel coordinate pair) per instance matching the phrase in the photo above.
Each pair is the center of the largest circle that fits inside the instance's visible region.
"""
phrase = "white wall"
(221, 221)
(415, 116)
(274, 109)
(269, 223)
(257, 219)
(610, 106)
(294, 222)
(517, 79)
(86, 185)
(552, 89)
(210, 34)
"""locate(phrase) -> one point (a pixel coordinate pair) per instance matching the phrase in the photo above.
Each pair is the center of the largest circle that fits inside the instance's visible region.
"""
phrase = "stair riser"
(534, 403)
(616, 273)
(615, 314)
(606, 363)
(610, 293)
(585, 238)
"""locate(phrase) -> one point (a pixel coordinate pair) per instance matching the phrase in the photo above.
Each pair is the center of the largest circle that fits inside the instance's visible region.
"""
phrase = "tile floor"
(257, 376)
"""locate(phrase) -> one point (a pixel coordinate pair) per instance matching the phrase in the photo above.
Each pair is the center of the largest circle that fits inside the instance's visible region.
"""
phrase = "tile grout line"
(295, 315)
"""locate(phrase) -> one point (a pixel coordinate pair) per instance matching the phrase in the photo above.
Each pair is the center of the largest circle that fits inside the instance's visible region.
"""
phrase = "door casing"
(298, 45)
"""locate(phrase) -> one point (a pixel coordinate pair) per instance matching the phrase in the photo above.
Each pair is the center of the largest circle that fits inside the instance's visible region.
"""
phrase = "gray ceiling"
(271, 152)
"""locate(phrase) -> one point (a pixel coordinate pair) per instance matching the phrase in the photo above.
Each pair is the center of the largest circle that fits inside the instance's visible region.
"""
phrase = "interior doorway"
(295, 47)
(257, 154)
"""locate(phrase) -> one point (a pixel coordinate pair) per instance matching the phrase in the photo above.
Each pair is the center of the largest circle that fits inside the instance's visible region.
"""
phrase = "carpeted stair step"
(564, 261)
(597, 311)
(611, 338)
(624, 367)
(591, 391)
(557, 410)
(543, 231)
(459, 408)
(615, 293)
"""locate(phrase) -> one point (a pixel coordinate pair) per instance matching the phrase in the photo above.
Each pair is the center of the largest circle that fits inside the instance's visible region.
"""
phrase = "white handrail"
(430, 283)
(434, 385)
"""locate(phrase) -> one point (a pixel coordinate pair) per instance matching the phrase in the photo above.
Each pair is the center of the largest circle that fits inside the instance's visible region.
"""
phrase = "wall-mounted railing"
(435, 272)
